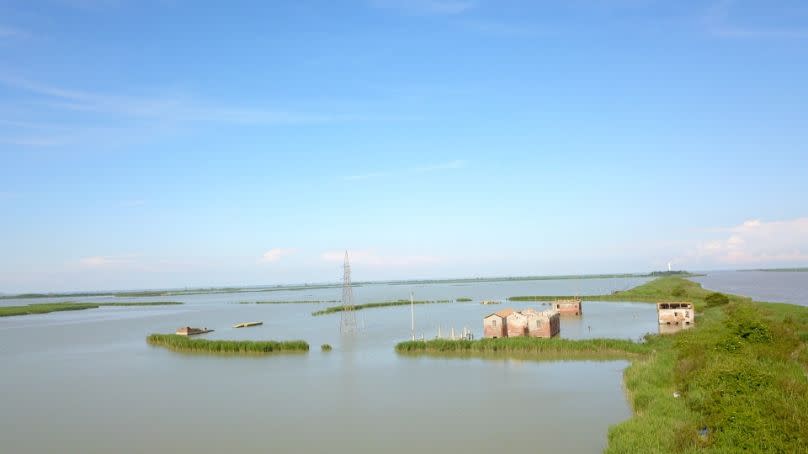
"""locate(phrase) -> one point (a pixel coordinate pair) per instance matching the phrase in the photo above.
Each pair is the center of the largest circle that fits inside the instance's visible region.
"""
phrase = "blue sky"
(176, 143)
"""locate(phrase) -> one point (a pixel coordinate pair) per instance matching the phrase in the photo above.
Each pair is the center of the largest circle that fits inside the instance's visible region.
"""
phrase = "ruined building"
(529, 322)
(676, 315)
(570, 306)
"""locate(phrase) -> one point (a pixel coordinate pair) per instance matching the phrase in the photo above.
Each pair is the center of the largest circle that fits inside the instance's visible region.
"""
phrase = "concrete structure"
(529, 322)
(495, 325)
(543, 324)
(569, 307)
(188, 331)
(676, 314)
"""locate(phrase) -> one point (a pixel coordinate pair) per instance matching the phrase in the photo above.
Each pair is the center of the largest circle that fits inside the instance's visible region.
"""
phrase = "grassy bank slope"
(186, 344)
(741, 374)
(359, 307)
(45, 308)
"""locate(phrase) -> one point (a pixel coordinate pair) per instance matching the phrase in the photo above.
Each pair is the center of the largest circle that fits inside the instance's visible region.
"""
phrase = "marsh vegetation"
(185, 344)
(9, 311)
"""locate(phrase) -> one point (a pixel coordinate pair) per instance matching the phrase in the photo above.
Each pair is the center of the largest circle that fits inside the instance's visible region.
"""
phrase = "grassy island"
(45, 308)
(290, 302)
(463, 299)
(358, 307)
(556, 348)
(185, 344)
(736, 382)
(659, 290)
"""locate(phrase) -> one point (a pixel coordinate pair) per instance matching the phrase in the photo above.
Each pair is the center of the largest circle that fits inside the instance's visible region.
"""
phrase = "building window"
(494, 322)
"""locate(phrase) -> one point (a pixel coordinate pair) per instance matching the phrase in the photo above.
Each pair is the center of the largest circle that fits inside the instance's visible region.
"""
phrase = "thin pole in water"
(412, 317)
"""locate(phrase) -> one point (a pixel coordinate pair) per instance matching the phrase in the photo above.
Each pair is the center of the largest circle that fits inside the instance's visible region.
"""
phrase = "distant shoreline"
(298, 287)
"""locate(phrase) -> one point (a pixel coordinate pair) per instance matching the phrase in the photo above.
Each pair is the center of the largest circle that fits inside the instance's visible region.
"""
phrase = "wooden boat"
(247, 324)
(188, 331)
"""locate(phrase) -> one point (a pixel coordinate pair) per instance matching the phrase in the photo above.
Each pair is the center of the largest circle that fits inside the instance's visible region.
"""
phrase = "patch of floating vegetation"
(290, 302)
(179, 343)
(325, 347)
(9, 311)
(463, 299)
(358, 307)
(555, 348)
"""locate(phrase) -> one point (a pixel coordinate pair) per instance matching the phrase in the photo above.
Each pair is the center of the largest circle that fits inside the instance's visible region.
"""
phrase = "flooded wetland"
(90, 377)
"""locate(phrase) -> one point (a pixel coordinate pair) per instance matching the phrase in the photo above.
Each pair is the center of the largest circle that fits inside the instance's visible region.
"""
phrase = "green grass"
(186, 344)
(555, 348)
(741, 373)
(359, 307)
(9, 311)
(325, 347)
(463, 299)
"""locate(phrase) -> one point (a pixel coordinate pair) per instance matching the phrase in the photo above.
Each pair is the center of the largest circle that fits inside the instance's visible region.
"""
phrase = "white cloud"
(426, 7)
(756, 242)
(451, 165)
(372, 258)
(276, 254)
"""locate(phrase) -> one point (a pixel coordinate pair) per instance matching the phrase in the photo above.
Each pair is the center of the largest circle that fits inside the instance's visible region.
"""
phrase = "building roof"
(501, 313)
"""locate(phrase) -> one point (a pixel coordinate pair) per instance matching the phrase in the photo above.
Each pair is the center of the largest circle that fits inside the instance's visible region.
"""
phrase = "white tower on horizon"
(669, 266)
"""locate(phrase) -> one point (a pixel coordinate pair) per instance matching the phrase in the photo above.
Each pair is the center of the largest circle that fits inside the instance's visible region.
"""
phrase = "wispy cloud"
(719, 22)
(755, 242)
(276, 254)
(373, 258)
(139, 115)
(11, 32)
(451, 165)
(437, 167)
(426, 7)
(106, 261)
(500, 28)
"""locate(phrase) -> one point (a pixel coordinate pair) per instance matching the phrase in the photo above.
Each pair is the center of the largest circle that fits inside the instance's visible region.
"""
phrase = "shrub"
(716, 299)
(325, 347)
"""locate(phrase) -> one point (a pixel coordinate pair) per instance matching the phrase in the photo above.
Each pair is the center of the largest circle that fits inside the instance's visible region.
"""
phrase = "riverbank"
(30, 309)
(179, 343)
(737, 381)
(359, 307)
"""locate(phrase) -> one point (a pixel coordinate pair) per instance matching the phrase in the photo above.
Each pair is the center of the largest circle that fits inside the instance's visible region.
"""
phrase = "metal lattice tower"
(348, 321)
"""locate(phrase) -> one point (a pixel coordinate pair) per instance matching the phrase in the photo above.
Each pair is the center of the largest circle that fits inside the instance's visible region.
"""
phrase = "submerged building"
(570, 306)
(529, 322)
(494, 325)
(679, 315)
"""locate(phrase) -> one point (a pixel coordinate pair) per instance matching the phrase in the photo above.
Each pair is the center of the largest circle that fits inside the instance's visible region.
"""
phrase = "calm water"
(86, 381)
(781, 287)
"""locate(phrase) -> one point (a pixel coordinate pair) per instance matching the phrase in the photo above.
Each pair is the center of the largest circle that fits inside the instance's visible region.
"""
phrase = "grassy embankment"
(45, 308)
(186, 344)
(359, 307)
(742, 374)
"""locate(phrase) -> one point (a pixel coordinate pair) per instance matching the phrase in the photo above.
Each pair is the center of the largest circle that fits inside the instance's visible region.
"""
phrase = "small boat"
(247, 324)
(490, 302)
(188, 331)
